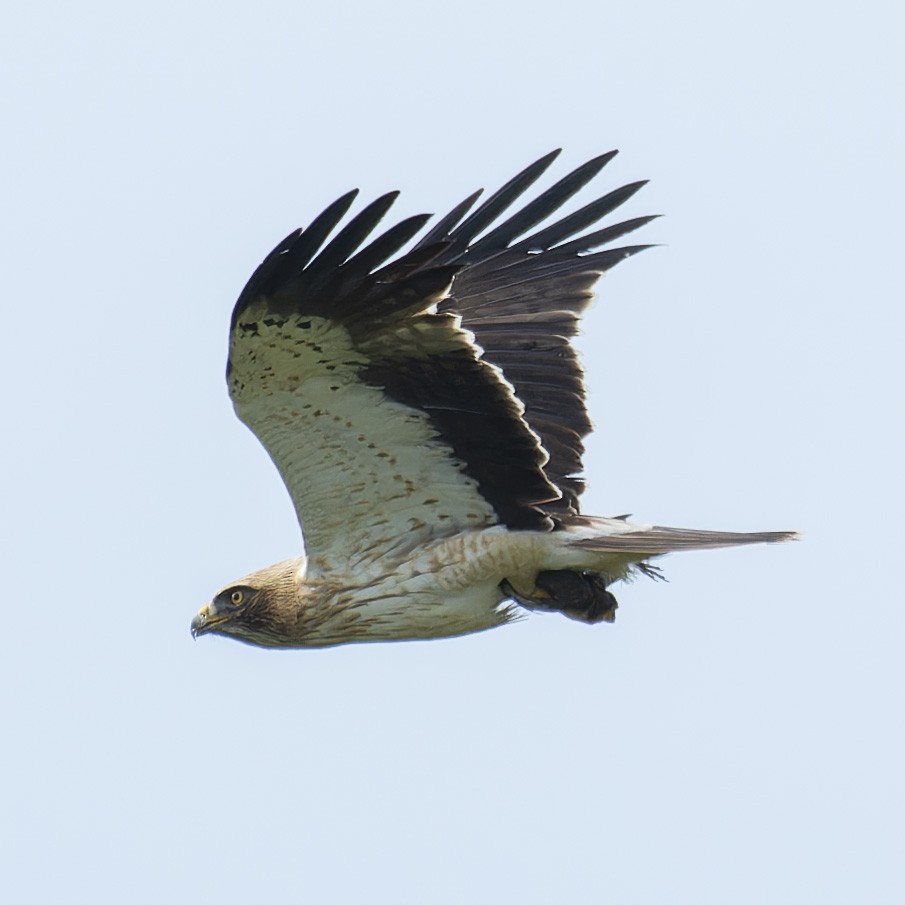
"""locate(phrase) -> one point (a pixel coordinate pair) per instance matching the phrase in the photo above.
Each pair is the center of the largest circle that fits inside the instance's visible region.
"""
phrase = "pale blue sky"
(735, 737)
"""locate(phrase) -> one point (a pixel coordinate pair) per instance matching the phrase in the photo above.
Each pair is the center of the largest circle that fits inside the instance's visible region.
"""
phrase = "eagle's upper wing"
(523, 300)
(374, 397)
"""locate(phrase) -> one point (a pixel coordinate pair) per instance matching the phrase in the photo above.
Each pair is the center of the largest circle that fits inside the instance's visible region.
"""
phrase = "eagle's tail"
(604, 535)
(589, 554)
(619, 548)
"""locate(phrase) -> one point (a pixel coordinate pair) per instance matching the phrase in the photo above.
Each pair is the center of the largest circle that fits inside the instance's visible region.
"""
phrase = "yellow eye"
(236, 598)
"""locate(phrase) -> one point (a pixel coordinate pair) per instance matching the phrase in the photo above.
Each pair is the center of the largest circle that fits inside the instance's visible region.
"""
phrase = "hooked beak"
(206, 620)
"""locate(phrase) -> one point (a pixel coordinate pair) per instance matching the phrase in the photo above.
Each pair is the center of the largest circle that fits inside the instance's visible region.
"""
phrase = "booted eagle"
(426, 412)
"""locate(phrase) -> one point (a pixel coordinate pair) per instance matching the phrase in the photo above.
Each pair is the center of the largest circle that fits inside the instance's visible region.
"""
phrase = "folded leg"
(578, 595)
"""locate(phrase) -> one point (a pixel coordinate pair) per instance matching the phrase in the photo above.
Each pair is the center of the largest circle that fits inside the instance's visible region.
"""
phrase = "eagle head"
(258, 609)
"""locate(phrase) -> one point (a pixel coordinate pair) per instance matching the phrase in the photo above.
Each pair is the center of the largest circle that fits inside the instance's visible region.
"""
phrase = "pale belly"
(414, 614)
(449, 587)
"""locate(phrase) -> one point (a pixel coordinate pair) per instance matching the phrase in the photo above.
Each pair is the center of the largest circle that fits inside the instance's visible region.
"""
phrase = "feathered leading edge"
(426, 411)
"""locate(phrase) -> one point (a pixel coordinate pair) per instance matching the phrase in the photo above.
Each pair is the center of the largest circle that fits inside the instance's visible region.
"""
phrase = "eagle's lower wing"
(385, 423)
(396, 412)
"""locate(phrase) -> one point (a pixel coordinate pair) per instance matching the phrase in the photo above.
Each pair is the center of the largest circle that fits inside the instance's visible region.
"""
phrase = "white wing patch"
(368, 476)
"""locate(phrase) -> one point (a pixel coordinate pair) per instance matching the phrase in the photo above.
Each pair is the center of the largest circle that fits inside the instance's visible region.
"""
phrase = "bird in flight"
(426, 411)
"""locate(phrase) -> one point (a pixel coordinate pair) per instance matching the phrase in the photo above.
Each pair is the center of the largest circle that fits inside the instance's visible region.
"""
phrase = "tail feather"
(656, 540)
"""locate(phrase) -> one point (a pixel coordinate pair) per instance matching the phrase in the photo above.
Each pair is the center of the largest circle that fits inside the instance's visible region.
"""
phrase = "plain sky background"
(735, 737)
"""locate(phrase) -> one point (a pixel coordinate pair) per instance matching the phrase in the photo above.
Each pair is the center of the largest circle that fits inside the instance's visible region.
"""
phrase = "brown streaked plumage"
(426, 413)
